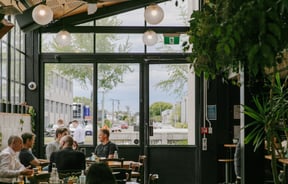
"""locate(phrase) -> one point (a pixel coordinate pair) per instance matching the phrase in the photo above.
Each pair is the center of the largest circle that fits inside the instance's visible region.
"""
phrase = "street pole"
(102, 114)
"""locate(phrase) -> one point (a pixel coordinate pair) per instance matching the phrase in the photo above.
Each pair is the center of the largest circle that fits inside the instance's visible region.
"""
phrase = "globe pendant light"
(91, 8)
(42, 14)
(150, 38)
(63, 38)
(154, 14)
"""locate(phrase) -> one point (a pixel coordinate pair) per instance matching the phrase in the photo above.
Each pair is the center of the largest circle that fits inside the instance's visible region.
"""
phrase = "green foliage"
(107, 123)
(32, 113)
(269, 120)
(109, 74)
(227, 34)
(177, 81)
(158, 107)
(181, 125)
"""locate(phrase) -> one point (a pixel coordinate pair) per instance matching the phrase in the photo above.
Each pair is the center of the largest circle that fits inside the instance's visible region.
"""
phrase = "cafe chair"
(113, 162)
(122, 175)
(138, 168)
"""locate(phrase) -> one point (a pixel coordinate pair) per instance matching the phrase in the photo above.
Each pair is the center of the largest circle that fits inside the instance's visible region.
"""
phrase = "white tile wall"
(10, 125)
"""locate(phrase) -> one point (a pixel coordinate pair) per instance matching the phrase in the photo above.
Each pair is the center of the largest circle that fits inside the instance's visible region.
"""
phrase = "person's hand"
(26, 172)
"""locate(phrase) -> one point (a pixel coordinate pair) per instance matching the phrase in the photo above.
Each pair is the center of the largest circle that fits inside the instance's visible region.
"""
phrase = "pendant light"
(63, 38)
(150, 38)
(42, 14)
(153, 14)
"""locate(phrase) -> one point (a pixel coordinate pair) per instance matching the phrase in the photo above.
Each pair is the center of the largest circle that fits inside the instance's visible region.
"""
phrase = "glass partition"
(65, 86)
(170, 97)
(12, 56)
(118, 101)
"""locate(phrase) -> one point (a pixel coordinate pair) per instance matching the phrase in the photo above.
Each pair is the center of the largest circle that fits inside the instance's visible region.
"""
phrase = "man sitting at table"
(26, 156)
(66, 159)
(10, 167)
(106, 148)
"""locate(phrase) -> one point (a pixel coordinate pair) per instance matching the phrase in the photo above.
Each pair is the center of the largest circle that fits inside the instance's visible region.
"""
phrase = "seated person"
(99, 173)
(26, 156)
(55, 146)
(10, 167)
(106, 148)
(66, 159)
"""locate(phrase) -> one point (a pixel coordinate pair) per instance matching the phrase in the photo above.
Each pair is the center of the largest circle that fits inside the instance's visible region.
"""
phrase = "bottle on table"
(82, 178)
(115, 154)
(93, 156)
(54, 178)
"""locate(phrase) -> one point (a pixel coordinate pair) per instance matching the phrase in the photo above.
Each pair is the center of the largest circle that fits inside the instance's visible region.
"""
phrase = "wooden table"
(231, 148)
(41, 176)
(227, 169)
(230, 145)
(126, 163)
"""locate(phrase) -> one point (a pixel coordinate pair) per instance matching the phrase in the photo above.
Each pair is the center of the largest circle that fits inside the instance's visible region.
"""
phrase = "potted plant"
(270, 121)
(223, 37)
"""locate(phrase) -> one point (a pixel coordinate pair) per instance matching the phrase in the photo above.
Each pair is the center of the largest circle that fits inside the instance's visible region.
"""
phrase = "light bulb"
(42, 14)
(154, 14)
(91, 8)
(63, 38)
(150, 38)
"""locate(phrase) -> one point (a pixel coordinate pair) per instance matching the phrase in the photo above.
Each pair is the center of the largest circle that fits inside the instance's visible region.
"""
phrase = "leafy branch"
(225, 35)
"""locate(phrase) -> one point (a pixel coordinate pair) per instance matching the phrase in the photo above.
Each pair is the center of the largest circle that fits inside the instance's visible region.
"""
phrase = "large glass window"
(118, 101)
(169, 98)
(80, 43)
(80, 76)
(12, 57)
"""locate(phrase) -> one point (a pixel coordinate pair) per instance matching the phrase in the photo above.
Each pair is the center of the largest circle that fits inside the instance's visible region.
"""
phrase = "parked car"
(89, 129)
(116, 127)
(49, 132)
(124, 125)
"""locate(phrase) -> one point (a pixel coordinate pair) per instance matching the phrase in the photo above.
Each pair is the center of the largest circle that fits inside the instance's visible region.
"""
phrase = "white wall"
(10, 125)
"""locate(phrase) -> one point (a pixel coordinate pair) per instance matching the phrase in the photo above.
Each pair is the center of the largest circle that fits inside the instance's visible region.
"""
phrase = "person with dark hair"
(100, 173)
(106, 148)
(67, 159)
(55, 146)
(10, 166)
(26, 156)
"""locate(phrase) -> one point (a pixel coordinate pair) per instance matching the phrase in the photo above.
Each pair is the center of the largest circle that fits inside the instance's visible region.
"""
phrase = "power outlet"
(210, 130)
(204, 143)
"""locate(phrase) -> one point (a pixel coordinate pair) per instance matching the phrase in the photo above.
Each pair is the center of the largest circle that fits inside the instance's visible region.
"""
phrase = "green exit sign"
(171, 39)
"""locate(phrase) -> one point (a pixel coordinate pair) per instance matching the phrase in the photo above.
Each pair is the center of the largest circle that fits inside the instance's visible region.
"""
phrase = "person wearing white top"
(79, 132)
(10, 166)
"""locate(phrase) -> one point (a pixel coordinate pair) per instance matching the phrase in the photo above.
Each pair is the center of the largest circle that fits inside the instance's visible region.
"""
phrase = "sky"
(128, 93)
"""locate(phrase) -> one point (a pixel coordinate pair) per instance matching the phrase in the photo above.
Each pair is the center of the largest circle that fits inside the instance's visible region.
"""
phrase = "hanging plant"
(32, 113)
(225, 35)
(21, 121)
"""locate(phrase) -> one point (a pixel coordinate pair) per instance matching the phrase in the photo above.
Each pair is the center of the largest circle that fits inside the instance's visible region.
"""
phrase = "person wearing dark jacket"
(67, 159)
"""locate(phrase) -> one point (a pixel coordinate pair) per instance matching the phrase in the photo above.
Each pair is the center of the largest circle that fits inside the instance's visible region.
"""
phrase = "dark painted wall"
(224, 96)
(173, 164)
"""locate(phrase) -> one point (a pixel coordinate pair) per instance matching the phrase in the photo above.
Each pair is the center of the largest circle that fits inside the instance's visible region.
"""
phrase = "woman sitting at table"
(99, 173)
